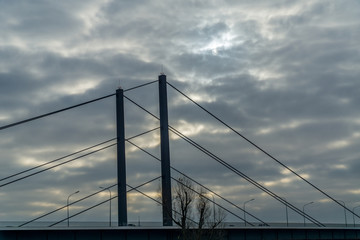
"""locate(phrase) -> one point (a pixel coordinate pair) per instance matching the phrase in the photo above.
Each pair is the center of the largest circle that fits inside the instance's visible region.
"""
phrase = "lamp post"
(286, 211)
(244, 209)
(213, 207)
(109, 204)
(353, 213)
(304, 210)
(67, 206)
(344, 211)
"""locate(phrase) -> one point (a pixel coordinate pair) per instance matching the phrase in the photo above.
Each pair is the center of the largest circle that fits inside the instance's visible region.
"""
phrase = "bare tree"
(209, 218)
(183, 200)
(203, 208)
(193, 212)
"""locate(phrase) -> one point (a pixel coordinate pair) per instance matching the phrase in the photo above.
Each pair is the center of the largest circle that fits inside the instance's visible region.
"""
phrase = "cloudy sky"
(283, 73)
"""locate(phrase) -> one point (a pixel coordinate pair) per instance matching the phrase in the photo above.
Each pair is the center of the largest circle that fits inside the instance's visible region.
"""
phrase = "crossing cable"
(159, 202)
(61, 158)
(71, 107)
(236, 171)
(247, 178)
(175, 169)
(59, 164)
(138, 135)
(98, 204)
(198, 183)
(261, 149)
(79, 200)
(202, 195)
(55, 160)
(138, 105)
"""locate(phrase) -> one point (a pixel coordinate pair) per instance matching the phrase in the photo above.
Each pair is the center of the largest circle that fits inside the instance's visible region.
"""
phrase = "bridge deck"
(171, 233)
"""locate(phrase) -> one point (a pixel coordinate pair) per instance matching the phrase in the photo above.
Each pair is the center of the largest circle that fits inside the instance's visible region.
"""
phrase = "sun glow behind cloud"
(281, 182)
(292, 125)
(223, 42)
(77, 87)
(188, 129)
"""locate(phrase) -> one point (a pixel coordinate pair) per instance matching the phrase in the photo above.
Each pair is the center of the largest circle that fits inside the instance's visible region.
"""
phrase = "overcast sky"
(283, 73)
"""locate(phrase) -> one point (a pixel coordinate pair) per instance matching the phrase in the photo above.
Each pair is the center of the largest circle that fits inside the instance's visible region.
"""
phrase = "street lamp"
(109, 204)
(344, 211)
(67, 206)
(353, 213)
(286, 210)
(213, 207)
(244, 209)
(304, 210)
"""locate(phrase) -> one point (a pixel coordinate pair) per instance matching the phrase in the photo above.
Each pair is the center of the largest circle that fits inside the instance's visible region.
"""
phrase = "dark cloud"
(282, 73)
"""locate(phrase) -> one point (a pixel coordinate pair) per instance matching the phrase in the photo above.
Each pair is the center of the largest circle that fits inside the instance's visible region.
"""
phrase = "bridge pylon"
(165, 153)
(121, 166)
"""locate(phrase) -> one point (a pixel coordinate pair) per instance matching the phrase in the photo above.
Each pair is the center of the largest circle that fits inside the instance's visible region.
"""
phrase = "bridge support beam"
(165, 153)
(121, 166)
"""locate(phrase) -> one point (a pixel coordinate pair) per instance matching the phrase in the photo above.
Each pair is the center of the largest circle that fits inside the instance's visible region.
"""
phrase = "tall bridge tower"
(165, 155)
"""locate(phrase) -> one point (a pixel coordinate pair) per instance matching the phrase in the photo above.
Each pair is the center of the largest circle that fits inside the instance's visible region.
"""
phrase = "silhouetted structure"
(165, 153)
(121, 166)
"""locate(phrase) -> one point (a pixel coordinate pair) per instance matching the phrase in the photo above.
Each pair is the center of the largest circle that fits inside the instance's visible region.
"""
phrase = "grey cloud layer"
(283, 73)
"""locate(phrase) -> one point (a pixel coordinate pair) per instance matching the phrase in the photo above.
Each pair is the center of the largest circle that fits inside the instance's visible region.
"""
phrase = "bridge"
(246, 226)
(166, 233)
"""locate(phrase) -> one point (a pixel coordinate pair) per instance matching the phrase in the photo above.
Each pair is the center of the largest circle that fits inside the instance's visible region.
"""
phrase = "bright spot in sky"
(3, 117)
(338, 144)
(355, 191)
(224, 41)
(340, 166)
(188, 129)
(78, 87)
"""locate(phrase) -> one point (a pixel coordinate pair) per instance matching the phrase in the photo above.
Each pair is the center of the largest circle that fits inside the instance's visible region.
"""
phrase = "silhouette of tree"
(194, 213)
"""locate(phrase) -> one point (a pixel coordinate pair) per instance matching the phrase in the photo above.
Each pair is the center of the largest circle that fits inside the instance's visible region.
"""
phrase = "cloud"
(281, 73)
